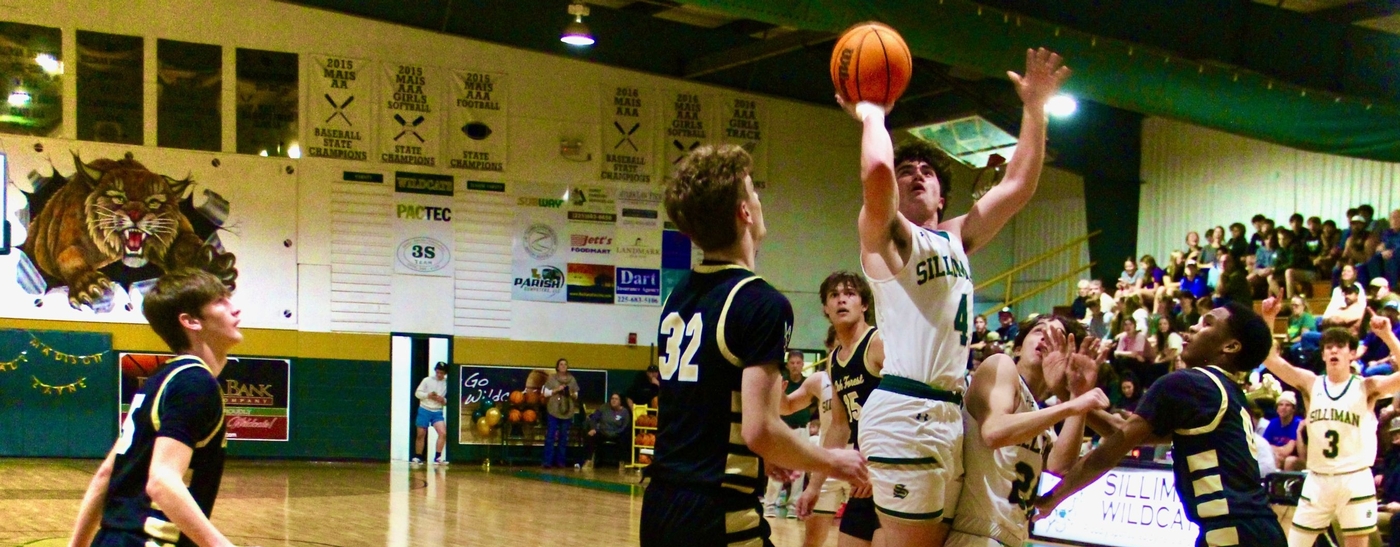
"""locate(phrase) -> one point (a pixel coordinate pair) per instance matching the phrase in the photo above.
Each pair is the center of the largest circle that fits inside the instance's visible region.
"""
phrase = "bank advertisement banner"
(1126, 507)
(423, 224)
(257, 393)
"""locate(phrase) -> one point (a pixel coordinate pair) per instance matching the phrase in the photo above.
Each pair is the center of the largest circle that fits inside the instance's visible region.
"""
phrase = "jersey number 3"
(681, 334)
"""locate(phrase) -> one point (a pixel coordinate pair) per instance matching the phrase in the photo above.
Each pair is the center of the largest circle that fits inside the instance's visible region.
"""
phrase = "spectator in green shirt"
(1301, 321)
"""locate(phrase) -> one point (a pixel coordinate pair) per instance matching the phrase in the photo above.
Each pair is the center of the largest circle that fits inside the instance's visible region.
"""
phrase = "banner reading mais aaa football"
(256, 393)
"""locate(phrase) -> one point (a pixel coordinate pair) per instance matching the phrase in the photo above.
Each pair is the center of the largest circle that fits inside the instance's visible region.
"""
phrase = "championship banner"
(477, 128)
(340, 100)
(743, 120)
(629, 134)
(257, 393)
(502, 386)
(1127, 506)
(409, 123)
(423, 224)
(687, 122)
(539, 252)
(591, 283)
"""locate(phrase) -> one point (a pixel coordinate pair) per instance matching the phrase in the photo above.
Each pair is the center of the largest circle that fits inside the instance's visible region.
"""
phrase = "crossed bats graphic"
(683, 149)
(626, 135)
(339, 109)
(408, 127)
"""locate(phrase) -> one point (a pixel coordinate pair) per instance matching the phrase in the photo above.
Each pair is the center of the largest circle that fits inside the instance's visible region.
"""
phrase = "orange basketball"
(529, 416)
(513, 416)
(656, 402)
(142, 365)
(872, 63)
(516, 397)
(532, 397)
(640, 439)
(644, 459)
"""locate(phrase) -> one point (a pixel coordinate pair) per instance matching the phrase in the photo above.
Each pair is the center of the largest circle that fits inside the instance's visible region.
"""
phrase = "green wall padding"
(80, 422)
(340, 410)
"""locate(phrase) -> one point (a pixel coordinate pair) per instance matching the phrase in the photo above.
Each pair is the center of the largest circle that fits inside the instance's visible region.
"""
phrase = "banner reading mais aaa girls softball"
(256, 393)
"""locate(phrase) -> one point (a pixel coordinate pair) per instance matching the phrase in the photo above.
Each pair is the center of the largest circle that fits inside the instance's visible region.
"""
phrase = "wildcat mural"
(114, 223)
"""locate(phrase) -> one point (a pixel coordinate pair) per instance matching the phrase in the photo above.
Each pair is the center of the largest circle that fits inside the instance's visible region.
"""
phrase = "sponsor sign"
(423, 220)
(639, 286)
(257, 396)
(591, 283)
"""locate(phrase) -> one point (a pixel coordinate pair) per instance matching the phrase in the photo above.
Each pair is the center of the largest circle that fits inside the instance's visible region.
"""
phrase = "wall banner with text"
(476, 132)
(743, 121)
(423, 224)
(688, 120)
(410, 120)
(257, 393)
(340, 100)
(591, 283)
(639, 286)
(483, 382)
(628, 134)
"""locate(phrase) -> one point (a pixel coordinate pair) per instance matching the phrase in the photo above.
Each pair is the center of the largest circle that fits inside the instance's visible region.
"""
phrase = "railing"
(1009, 276)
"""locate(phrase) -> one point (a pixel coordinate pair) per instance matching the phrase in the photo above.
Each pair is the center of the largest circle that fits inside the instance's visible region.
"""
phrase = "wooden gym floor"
(304, 504)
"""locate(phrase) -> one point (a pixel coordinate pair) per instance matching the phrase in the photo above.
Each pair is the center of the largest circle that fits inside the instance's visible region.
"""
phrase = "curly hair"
(942, 164)
(702, 194)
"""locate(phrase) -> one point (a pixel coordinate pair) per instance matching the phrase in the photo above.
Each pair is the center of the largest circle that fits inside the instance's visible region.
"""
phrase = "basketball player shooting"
(911, 430)
(1341, 428)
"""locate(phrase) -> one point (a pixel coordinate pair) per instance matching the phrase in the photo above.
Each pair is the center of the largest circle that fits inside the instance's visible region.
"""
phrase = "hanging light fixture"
(576, 33)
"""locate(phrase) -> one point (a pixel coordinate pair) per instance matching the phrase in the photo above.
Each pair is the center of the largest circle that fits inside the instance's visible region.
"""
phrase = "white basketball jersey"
(1341, 427)
(1000, 485)
(924, 312)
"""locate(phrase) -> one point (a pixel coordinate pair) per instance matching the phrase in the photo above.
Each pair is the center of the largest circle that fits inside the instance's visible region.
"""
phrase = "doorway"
(413, 357)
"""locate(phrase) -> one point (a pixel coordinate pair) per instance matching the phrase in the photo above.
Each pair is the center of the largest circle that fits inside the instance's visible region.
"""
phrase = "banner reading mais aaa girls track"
(256, 393)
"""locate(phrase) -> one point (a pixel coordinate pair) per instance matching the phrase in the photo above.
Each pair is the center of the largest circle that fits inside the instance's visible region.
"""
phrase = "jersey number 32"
(682, 342)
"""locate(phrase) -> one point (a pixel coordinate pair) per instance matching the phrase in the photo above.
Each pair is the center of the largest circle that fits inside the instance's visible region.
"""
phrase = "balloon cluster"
(487, 417)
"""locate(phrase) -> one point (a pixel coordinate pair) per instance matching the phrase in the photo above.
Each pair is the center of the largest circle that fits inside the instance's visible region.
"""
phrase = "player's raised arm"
(1045, 73)
(766, 434)
(992, 402)
(879, 224)
(1300, 378)
(802, 398)
(1390, 383)
(1089, 468)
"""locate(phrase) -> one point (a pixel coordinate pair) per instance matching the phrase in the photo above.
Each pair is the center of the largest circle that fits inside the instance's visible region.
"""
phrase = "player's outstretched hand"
(848, 465)
(1045, 73)
(1091, 400)
(1269, 309)
(807, 500)
(861, 109)
(1380, 325)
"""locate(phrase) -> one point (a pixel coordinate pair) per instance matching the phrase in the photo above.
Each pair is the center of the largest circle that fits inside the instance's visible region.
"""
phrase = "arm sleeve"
(550, 385)
(1162, 405)
(191, 407)
(573, 387)
(759, 325)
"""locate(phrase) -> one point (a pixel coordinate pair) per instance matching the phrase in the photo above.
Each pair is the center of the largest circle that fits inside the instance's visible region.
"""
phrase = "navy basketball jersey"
(182, 402)
(854, 380)
(1217, 476)
(718, 320)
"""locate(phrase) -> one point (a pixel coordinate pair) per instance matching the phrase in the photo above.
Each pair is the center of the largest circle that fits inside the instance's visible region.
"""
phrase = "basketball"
(644, 459)
(517, 397)
(528, 416)
(513, 416)
(532, 397)
(872, 63)
(656, 402)
(142, 365)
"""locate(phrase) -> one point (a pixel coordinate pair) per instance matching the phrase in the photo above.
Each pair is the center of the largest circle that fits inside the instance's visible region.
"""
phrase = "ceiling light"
(1061, 106)
(49, 64)
(576, 33)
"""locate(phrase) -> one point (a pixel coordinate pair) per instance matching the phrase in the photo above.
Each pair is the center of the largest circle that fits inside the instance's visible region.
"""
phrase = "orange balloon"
(517, 397)
(529, 416)
(513, 416)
